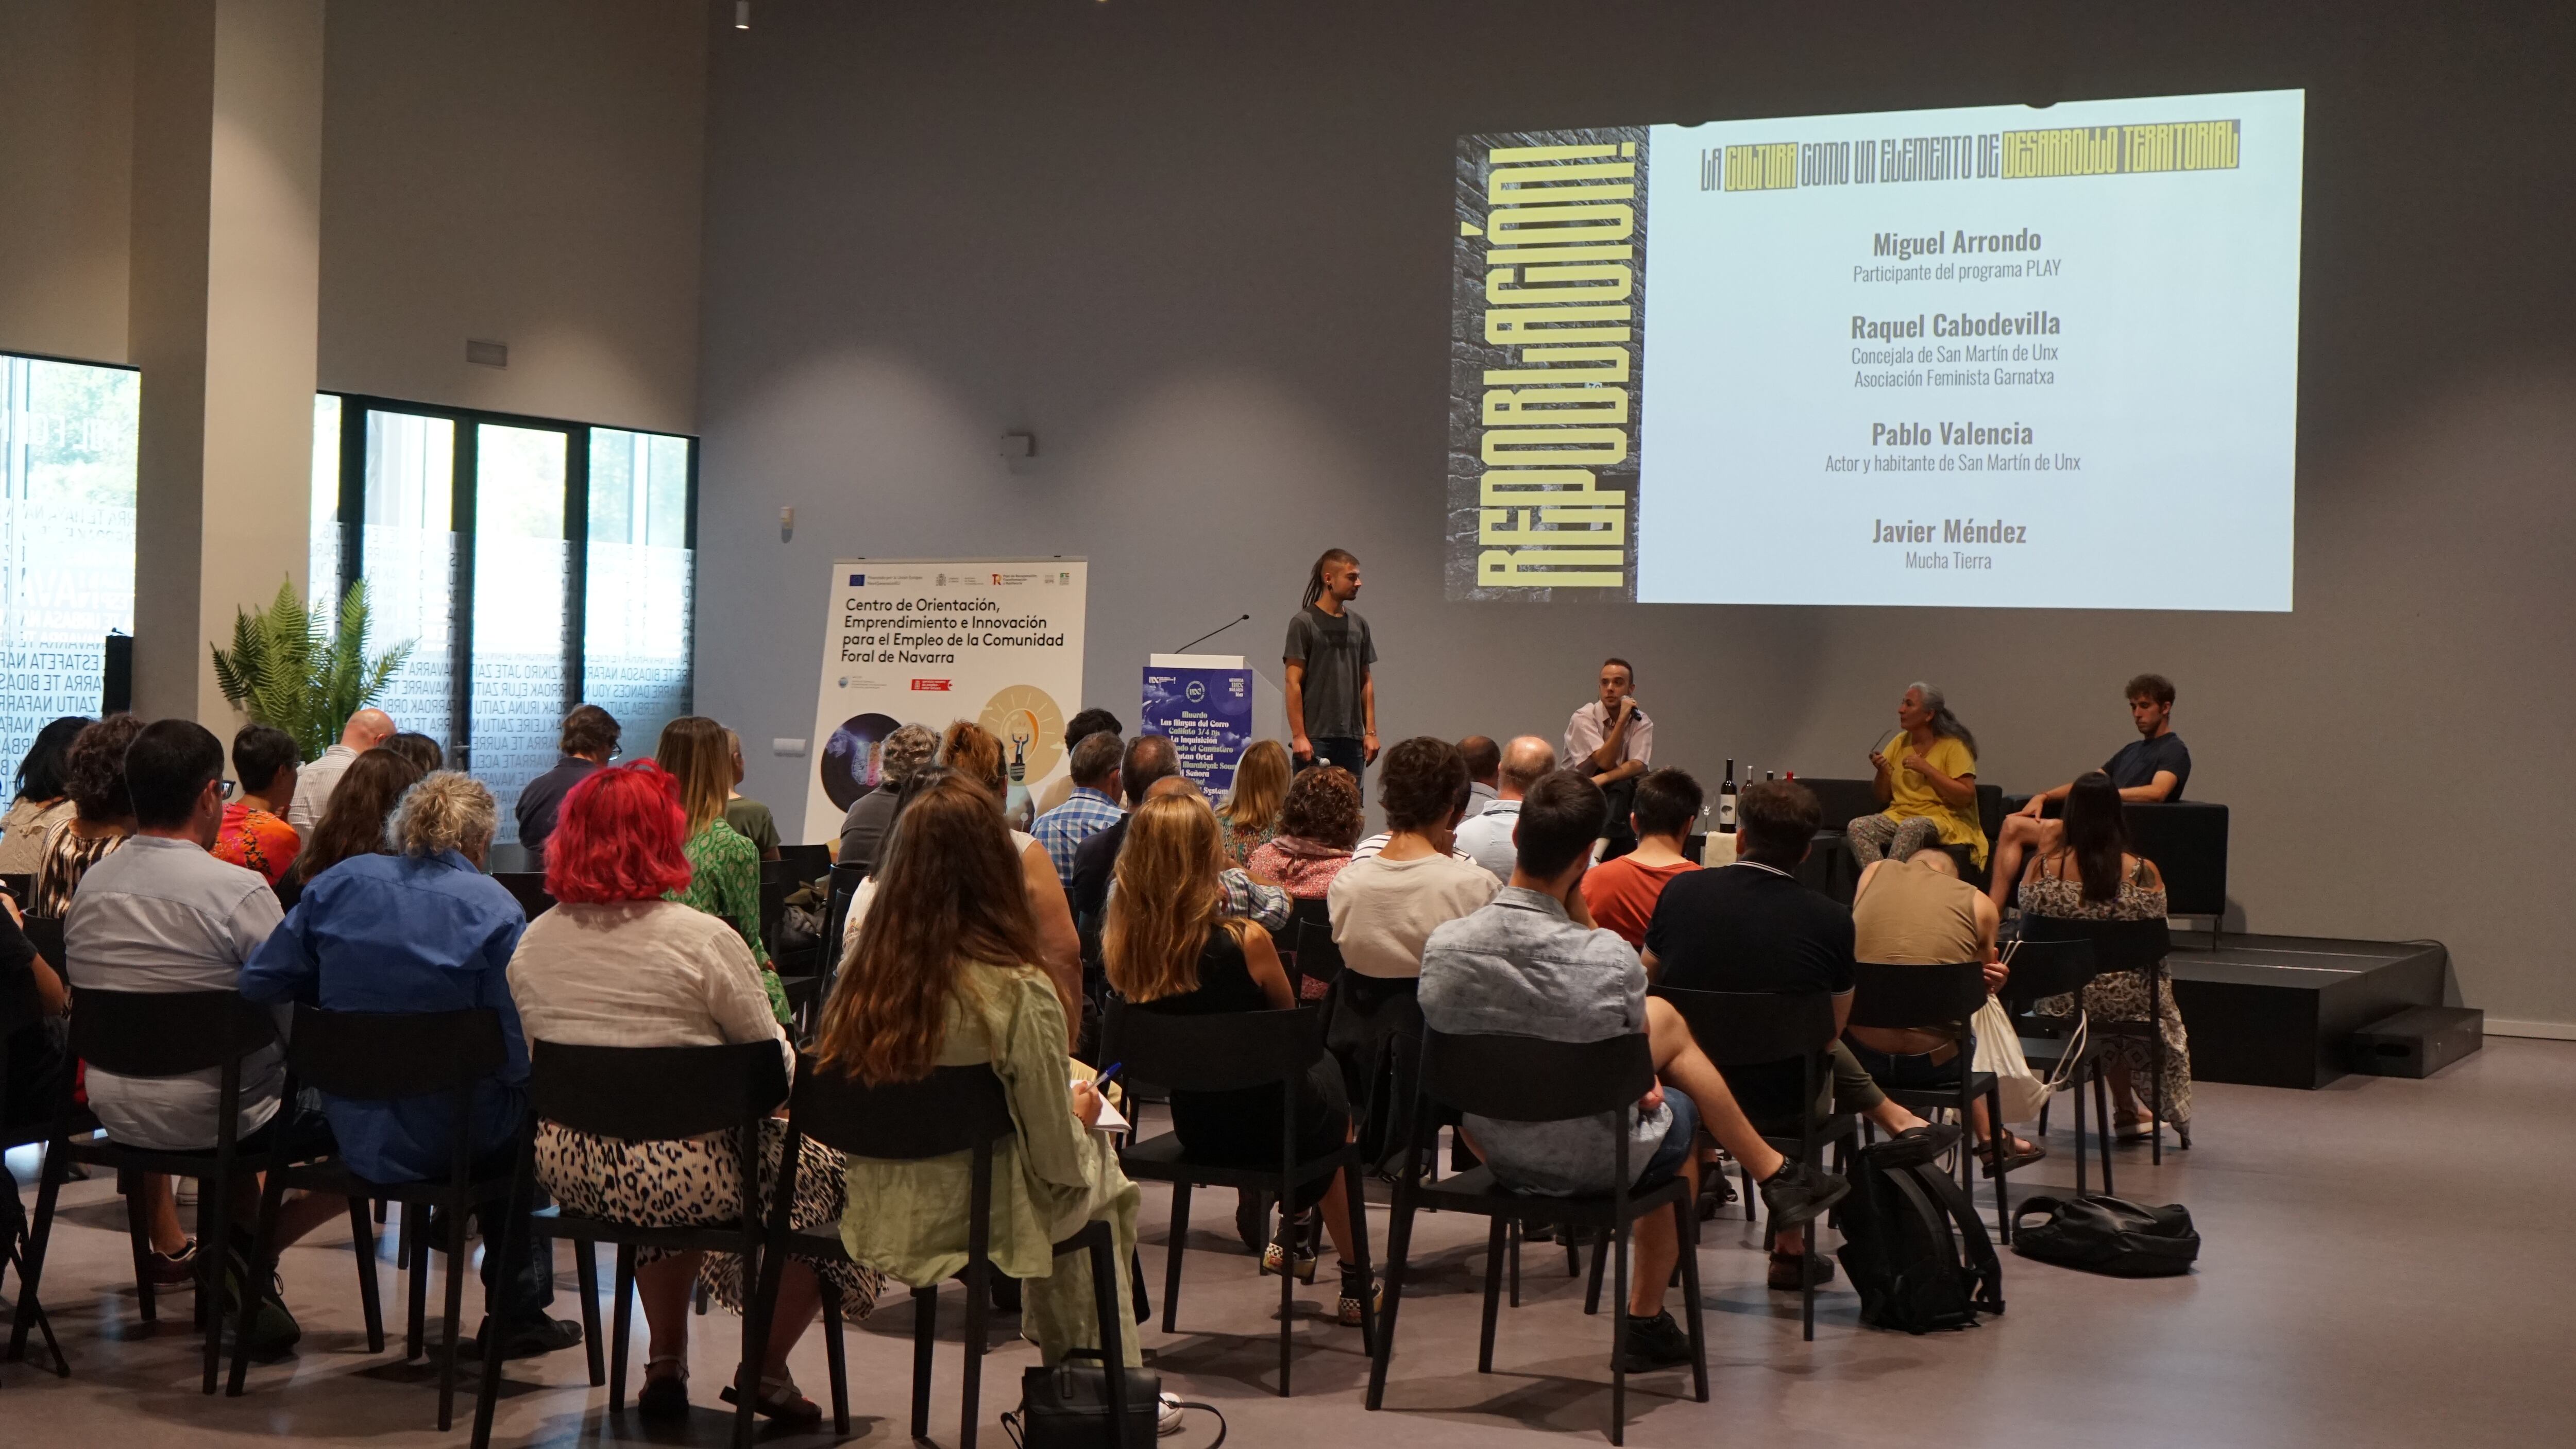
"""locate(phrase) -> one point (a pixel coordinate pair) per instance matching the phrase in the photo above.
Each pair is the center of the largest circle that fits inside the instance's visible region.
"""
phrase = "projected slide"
(1993, 356)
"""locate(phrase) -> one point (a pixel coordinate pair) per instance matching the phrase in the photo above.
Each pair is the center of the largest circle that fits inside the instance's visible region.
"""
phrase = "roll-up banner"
(928, 641)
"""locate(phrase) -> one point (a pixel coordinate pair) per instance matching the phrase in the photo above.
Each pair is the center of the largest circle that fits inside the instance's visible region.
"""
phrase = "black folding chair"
(953, 1110)
(19, 884)
(841, 889)
(1739, 1029)
(528, 888)
(804, 864)
(2138, 946)
(1525, 1079)
(169, 1034)
(22, 1240)
(384, 1057)
(1939, 998)
(1223, 1053)
(648, 1094)
(2042, 969)
(1312, 954)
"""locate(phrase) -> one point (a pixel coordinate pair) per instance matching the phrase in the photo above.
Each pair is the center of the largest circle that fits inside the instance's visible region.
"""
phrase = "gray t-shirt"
(1337, 653)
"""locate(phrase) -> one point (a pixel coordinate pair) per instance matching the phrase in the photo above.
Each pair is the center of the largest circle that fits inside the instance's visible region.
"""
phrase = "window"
(536, 564)
(68, 434)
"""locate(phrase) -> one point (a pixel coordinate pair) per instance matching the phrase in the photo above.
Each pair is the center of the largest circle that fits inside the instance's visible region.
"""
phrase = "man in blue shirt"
(1090, 809)
(425, 931)
(2151, 768)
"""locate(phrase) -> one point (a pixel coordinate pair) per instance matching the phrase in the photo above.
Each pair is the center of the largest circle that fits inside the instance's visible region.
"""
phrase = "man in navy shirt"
(2153, 767)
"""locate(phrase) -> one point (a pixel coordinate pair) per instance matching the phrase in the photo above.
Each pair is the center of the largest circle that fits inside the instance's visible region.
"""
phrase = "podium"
(1210, 706)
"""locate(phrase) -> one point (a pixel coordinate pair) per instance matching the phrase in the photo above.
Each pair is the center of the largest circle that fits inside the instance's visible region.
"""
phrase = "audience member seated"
(2093, 876)
(366, 730)
(1917, 912)
(947, 975)
(255, 835)
(420, 749)
(1532, 964)
(1486, 839)
(1090, 804)
(1621, 893)
(749, 818)
(872, 814)
(421, 931)
(1384, 906)
(1317, 828)
(621, 962)
(161, 914)
(42, 801)
(724, 867)
(1751, 926)
(1484, 768)
(360, 805)
(590, 736)
(1149, 758)
(1172, 946)
(1250, 813)
(1081, 727)
(2149, 769)
(102, 814)
(974, 752)
(1927, 775)
(40, 1061)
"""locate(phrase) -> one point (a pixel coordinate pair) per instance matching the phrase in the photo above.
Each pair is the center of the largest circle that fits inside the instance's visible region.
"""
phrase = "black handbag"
(2107, 1235)
(1067, 1406)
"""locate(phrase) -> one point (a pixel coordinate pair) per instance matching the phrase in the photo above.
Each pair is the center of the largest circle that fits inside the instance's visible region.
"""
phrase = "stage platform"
(2278, 1011)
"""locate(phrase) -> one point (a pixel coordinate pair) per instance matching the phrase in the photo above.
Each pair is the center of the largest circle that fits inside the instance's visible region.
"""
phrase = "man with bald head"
(366, 729)
(1487, 838)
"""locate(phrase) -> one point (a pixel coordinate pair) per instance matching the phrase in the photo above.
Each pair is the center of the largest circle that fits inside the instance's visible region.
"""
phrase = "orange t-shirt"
(257, 840)
(1621, 894)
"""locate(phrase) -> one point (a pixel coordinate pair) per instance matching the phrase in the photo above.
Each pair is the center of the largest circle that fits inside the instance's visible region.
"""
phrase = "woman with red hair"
(616, 964)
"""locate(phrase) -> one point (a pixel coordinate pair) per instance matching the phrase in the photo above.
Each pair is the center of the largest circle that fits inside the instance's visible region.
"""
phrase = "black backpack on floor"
(2108, 1235)
(1916, 1250)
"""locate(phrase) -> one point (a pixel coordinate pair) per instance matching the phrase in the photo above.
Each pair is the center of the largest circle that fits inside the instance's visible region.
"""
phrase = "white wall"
(520, 172)
(1202, 251)
(66, 140)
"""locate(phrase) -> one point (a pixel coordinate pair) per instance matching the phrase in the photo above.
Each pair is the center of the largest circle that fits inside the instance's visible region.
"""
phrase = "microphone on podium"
(1212, 633)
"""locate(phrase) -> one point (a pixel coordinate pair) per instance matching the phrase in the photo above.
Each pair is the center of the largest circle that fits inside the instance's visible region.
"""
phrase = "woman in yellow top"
(1927, 777)
(947, 973)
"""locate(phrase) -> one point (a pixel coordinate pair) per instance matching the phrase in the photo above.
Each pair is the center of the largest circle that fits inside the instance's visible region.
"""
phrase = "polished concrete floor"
(2386, 1263)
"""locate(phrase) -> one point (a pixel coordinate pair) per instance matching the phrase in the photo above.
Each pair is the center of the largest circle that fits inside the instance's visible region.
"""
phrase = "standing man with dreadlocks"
(1332, 702)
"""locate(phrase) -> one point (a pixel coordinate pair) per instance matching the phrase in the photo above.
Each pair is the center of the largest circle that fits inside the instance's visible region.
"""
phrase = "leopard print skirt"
(698, 1183)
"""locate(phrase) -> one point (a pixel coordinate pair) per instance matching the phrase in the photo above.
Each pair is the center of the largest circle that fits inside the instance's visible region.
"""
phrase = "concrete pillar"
(223, 316)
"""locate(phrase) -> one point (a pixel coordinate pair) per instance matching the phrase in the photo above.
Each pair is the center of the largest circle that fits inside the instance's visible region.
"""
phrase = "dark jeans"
(1674, 1152)
(515, 1292)
(1340, 750)
(1914, 1072)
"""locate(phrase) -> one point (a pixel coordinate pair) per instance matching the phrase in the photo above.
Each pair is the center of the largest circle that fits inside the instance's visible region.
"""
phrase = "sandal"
(1784, 1276)
(780, 1400)
(666, 1397)
(2134, 1129)
(2016, 1157)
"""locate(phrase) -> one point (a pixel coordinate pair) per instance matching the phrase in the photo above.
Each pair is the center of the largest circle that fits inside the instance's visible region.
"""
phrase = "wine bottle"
(1726, 802)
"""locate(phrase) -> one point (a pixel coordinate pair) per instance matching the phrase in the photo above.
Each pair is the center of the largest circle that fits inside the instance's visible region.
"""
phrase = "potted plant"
(285, 670)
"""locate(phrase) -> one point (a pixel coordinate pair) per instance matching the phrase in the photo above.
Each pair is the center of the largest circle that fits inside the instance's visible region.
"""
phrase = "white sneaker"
(1168, 1419)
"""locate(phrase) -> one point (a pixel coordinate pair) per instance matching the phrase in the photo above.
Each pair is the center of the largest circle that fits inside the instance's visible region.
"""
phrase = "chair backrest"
(376, 1056)
(954, 1109)
(1310, 935)
(2117, 945)
(1901, 996)
(18, 883)
(1843, 801)
(2188, 842)
(805, 864)
(528, 888)
(1750, 1028)
(2048, 968)
(654, 1094)
(1527, 1079)
(165, 1033)
(45, 933)
(841, 890)
(1221, 1052)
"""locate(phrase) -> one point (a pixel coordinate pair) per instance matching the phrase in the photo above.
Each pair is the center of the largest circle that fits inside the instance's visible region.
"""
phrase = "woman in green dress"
(946, 974)
(724, 865)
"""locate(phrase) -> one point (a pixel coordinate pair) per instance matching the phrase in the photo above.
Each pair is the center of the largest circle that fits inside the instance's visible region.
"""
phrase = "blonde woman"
(1169, 947)
(724, 866)
(1250, 813)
